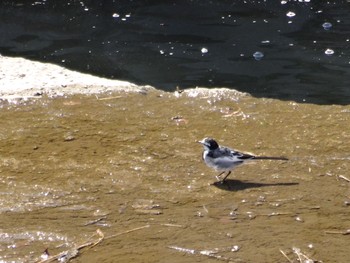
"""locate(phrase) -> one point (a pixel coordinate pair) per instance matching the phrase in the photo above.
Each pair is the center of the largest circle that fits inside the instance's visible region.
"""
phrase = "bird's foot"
(223, 181)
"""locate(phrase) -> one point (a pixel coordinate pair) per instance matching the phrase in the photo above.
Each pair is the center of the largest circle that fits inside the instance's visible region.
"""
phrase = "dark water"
(192, 43)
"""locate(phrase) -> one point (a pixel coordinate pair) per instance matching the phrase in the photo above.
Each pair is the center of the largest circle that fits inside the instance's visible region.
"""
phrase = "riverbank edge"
(22, 78)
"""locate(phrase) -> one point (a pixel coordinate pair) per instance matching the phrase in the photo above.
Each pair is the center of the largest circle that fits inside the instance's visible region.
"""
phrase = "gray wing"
(234, 155)
(242, 156)
(227, 158)
(229, 153)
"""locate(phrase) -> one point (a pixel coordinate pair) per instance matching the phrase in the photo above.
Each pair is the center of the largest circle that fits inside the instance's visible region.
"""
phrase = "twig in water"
(172, 225)
(301, 256)
(346, 232)
(277, 214)
(66, 256)
(128, 231)
(109, 98)
(285, 255)
(343, 177)
(95, 221)
(208, 253)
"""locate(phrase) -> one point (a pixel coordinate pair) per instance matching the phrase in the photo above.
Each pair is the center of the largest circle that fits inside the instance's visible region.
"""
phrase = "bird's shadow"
(237, 185)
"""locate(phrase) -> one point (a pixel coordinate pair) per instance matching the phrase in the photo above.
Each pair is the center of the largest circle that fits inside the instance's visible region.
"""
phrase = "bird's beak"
(201, 142)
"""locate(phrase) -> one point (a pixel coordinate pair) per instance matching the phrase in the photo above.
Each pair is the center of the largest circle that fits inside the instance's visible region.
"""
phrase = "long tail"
(270, 158)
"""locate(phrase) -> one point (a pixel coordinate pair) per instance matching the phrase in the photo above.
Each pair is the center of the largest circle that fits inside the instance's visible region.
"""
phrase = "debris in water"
(69, 137)
(299, 219)
(204, 50)
(73, 252)
(209, 253)
(179, 120)
(45, 255)
(329, 52)
(178, 91)
(301, 257)
(345, 232)
(258, 55)
(327, 25)
(290, 14)
(145, 206)
(344, 178)
(235, 248)
(95, 221)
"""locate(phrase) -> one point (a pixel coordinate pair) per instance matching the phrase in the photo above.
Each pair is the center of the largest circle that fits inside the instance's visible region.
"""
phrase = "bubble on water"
(235, 248)
(329, 52)
(45, 255)
(299, 219)
(204, 50)
(258, 55)
(290, 14)
(327, 25)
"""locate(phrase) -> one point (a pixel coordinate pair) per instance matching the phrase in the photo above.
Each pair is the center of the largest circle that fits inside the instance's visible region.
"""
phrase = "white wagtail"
(224, 159)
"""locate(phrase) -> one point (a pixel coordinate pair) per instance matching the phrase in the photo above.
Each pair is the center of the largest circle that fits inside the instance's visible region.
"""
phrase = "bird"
(224, 159)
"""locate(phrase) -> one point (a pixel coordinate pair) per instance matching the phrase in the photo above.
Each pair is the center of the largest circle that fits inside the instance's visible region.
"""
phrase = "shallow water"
(70, 166)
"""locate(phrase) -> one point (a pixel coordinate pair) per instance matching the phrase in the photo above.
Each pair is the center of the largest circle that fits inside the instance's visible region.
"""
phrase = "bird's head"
(209, 144)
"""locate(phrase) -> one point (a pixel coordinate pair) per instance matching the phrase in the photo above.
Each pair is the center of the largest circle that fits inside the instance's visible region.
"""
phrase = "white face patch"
(205, 143)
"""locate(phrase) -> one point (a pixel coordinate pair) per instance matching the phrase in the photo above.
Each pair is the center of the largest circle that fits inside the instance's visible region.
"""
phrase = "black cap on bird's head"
(209, 143)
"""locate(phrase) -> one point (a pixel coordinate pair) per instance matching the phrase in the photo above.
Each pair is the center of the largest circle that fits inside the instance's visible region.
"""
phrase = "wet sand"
(75, 164)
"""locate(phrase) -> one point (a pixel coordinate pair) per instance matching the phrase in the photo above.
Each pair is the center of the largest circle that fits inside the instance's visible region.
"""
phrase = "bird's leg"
(218, 176)
(223, 180)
